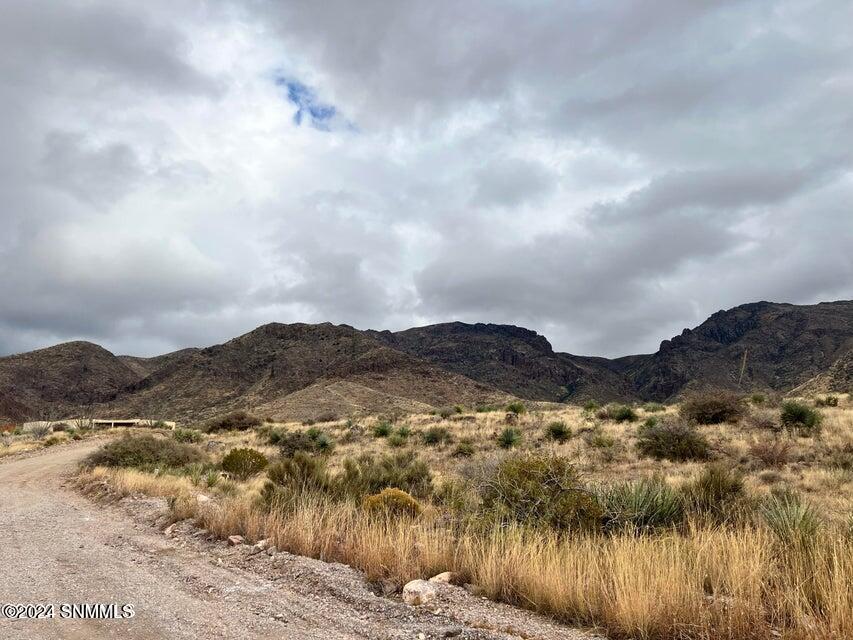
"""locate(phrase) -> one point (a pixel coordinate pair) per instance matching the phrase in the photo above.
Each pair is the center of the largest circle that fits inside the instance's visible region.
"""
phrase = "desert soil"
(57, 546)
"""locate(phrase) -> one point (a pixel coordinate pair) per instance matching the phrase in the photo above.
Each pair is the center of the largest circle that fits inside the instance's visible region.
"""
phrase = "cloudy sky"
(606, 173)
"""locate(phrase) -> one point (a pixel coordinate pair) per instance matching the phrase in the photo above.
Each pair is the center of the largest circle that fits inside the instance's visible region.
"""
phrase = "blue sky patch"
(308, 108)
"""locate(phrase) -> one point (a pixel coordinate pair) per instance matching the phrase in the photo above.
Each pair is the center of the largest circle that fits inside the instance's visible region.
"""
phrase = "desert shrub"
(59, 427)
(243, 463)
(675, 440)
(456, 496)
(828, 401)
(714, 492)
(39, 431)
(653, 407)
(758, 398)
(619, 413)
(396, 440)
(187, 435)
(590, 406)
(392, 502)
(540, 490)
(771, 453)
(486, 408)
(144, 451)
(763, 420)
(404, 431)
(789, 517)
(52, 440)
(465, 449)
(597, 439)
(558, 431)
(314, 442)
(436, 435)
(841, 457)
(641, 506)
(445, 412)
(712, 408)
(275, 436)
(235, 421)
(367, 474)
(509, 438)
(801, 418)
(516, 407)
(382, 429)
(298, 474)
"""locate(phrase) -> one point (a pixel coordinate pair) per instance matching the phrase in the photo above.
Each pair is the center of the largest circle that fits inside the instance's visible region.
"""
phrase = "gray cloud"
(605, 173)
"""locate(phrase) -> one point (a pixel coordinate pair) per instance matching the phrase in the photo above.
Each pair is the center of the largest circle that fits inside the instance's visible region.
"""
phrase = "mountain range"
(305, 371)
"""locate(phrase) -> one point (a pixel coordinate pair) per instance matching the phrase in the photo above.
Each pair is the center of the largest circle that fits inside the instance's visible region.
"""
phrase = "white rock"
(418, 592)
(260, 545)
(235, 540)
(202, 499)
(169, 530)
(445, 577)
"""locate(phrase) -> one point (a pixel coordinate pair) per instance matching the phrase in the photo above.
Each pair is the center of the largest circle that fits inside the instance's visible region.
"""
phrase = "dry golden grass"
(736, 581)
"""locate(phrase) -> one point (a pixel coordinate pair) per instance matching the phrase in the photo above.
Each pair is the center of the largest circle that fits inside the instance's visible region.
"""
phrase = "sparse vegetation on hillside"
(666, 531)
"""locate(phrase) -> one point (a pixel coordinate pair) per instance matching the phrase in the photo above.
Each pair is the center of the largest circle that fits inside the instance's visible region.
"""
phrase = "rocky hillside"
(50, 382)
(782, 346)
(307, 371)
(514, 359)
(263, 368)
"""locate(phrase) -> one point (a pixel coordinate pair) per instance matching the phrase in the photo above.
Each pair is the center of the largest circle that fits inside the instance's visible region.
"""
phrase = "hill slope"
(262, 368)
(49, 382)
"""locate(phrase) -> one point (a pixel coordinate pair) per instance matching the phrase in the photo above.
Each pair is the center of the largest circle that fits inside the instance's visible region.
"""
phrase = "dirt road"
(58, 547)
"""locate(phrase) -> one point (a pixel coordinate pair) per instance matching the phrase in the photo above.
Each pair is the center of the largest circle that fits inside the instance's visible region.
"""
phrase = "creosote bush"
(299, 474)
(368, 474)
(144, 451)
(243, 463)
(828, 401)
(712, 408)
(801, 418)
(235, 421)
(773, 452)
(540, 490)
(311, 441)
(393, 502)
(672, 440)
(618, 413)
(188, 435)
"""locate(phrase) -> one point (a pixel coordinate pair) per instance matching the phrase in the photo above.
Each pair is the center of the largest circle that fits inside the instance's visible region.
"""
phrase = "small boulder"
(233, 541)
(203, 499)
(446, 577)
(418, 592)
(260, 545)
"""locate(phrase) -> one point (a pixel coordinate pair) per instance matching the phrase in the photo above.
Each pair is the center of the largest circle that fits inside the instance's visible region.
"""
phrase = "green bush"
(558, 431)
(392, 502)
(619, 413)
(712, 408)
(758, 398)
(465, 449)
(235, 421)
(188, 435)
(367, 474)
(314, 442)
(242, 463)
(801, 418)
(599, 440)
(397, 441)
(445, 412)
(642, 506)
(144, 451)
(714, 492)
(516, 407)
(676, 441)
(591, 406)
(382, 429)
(296, 475)
(540, 490)
(509, 438)
(790, 518)
(436, 435)
(828, 401)
(653, 407)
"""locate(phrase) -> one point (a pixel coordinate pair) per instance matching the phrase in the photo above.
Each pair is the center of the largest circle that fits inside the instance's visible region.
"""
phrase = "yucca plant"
(641, 506)
(792, 519)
